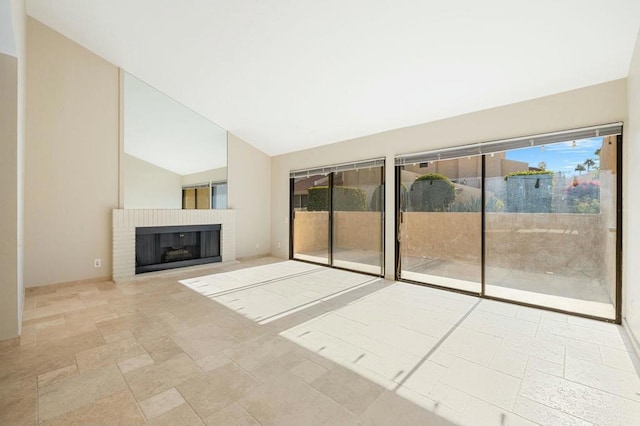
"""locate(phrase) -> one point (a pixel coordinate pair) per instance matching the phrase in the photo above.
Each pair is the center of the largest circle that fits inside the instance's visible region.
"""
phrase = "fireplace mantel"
(125, 222)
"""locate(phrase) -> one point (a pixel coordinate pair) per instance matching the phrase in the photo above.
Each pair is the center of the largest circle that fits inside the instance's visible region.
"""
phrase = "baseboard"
(48, 288)
(11, 342)
(256, 256)
(167, 273)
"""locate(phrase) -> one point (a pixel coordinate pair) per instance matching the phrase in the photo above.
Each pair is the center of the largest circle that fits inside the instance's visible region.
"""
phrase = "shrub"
(586, 205)
(318, 199)
(344, 199)
(495, 205)
(349, 199)
(589, 189)
(583, 197)
(432, 192)
(376, 204)
(474, 204)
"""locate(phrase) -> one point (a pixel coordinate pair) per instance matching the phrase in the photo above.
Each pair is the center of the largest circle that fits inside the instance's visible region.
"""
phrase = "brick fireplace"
(126, 221)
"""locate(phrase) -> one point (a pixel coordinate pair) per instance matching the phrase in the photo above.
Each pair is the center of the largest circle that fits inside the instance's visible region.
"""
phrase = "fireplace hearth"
(168, 247)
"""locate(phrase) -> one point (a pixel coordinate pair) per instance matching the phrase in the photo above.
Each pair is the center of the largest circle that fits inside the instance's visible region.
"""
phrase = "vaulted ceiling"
(285, 75)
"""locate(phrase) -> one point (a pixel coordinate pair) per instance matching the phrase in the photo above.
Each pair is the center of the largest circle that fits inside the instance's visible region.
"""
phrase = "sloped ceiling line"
(289, 75)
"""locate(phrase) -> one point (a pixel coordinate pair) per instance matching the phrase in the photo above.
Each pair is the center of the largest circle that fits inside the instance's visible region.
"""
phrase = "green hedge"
(344, 199)
(432, 192)
(529, 192)
(528, 173)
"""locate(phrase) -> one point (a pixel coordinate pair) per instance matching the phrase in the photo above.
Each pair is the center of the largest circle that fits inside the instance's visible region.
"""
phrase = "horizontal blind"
(196, 186)
(507, 144)
(358, 165)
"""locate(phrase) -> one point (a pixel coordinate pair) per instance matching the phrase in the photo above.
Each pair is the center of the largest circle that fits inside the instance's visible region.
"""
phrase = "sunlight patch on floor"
(270, 292)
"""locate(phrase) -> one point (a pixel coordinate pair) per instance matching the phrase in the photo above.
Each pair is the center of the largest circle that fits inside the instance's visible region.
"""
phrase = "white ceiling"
(287, 75)
(161, 131)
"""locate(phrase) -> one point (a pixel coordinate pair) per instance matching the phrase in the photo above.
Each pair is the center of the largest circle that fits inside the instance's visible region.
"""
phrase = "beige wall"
(603, 103)
(72, 174)
(354, 230)
(631, 202)
(71, 163)
(249, 187)
(9, 292)
(12, 140)
(510, 166)
(368, 223)
(450, 235)
(147, 186)
(460, 168)
(311, 233)
(511, 238)
(561, 242)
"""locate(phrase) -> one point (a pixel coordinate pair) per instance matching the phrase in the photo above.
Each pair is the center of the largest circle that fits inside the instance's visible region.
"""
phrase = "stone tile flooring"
(288, 343)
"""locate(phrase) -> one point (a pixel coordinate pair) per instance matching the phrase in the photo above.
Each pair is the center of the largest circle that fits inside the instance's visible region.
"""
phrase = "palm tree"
(580, 168)
(597, 152)
(589, 163)
(542, 165)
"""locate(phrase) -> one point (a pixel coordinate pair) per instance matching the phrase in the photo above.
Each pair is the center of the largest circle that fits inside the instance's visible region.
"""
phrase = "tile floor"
(278, 343)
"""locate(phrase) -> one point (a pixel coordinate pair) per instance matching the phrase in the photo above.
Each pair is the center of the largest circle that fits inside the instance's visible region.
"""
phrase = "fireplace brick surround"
(125, 222)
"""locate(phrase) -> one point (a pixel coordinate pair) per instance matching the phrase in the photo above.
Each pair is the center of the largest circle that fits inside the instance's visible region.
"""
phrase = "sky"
(559, 157)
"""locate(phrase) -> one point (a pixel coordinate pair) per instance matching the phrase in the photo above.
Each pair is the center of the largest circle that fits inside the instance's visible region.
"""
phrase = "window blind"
(507, 144)
(196, 186)
(358, 165)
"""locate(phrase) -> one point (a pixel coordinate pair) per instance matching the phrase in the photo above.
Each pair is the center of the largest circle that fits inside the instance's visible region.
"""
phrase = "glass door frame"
(330, 187)
(482, 294)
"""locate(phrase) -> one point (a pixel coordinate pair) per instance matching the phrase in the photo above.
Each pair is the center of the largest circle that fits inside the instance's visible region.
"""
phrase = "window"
(205, 196)
(219, 195)
(533, 220)
(337, 216)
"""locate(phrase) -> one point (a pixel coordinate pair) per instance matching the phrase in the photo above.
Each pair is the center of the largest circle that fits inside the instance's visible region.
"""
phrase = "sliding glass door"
(310, 215)
(551, 222)
(357, 220)
(533, 220)
(337, 216)
(440, 223)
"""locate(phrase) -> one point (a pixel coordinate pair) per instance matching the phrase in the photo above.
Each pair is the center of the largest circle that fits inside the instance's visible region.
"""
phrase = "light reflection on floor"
(470, 361)
(269, 292)
(386, 337)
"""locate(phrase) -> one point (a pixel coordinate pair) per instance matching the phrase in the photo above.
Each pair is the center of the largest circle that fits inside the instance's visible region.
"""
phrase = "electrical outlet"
(257, 245)
(97, 263)
(278, 244)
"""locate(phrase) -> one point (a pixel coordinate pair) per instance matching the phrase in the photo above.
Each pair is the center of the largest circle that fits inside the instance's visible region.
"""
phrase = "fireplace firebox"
(167, 247)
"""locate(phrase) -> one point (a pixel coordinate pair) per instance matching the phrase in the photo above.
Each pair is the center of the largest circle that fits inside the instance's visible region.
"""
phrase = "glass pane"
(219, 196)
(189, 198)
(202, 198)
(311, 221)
(551, 225)
(358, 204)
(441, 223)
